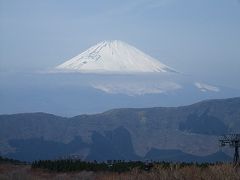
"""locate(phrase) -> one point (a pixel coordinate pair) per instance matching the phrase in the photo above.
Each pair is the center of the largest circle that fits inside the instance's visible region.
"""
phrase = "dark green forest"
(112, 166)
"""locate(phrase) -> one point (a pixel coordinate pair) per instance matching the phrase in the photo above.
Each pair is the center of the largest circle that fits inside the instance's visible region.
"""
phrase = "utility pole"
(232, 140)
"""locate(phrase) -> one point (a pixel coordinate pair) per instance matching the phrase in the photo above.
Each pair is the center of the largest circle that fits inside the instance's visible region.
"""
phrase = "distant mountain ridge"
(123, 133)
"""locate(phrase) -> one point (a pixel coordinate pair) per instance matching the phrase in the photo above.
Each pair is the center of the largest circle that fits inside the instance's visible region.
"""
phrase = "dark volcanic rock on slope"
(192, 129)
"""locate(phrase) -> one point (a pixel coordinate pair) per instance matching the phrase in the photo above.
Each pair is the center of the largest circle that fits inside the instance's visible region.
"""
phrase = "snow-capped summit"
(113, 57)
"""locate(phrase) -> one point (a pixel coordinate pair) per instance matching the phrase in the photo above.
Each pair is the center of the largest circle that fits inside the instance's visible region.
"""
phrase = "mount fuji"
(113, 57)
(117, 57)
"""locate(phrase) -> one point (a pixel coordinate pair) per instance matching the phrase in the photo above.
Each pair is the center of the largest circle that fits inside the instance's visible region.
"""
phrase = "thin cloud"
(136, 88)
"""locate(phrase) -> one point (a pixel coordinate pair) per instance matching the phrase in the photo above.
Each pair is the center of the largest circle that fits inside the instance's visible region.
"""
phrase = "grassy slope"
(221, 172)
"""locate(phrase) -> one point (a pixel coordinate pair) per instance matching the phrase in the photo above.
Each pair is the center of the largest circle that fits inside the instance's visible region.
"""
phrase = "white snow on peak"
(113, 57)
(206, 87)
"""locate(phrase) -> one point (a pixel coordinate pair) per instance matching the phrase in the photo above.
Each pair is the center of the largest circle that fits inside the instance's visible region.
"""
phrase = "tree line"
(12, 161)
(70, 165)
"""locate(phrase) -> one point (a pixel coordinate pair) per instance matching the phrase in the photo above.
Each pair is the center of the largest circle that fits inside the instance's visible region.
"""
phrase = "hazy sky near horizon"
(197, 37)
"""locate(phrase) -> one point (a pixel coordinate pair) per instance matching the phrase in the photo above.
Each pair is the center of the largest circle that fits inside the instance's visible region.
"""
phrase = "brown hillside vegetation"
(220, 172)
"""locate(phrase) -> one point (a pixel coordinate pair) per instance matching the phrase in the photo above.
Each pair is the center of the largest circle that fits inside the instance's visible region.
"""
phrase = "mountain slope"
(140, 130)
(113, 57)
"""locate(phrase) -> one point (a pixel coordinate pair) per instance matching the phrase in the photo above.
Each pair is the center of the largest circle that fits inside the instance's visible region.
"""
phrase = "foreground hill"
(188, 133)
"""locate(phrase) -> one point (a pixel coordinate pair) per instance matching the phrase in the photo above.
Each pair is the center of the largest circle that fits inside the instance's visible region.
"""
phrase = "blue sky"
(197, 37)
